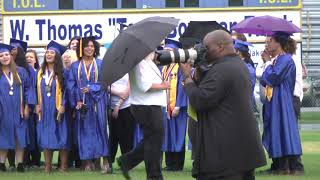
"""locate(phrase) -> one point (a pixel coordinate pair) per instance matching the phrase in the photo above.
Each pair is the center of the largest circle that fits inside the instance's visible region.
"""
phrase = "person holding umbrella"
(147, 97)
(281, 134)
(133, 51)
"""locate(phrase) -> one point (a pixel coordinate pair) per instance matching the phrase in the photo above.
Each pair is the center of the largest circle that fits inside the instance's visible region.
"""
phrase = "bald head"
(220, 37)
(219, 44)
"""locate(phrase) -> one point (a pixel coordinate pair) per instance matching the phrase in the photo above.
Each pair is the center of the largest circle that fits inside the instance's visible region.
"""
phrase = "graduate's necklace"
(10, 81)
(48, 81)
(93, 66)
(168, 71)
(88, 72)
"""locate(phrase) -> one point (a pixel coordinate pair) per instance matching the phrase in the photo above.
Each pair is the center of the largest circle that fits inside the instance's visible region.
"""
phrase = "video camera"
(193, 55)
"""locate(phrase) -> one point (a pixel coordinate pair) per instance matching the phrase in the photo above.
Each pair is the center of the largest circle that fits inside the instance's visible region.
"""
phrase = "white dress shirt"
(298, 87)
(120, 85)
(141, 77)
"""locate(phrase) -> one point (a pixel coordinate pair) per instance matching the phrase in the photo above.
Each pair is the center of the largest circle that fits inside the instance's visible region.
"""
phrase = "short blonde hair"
(70, 54)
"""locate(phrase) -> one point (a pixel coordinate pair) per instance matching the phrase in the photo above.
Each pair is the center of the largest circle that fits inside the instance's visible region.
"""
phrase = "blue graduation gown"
(252, 74)
(91, 131)
(69, 108)
(281, 134)
(175, 128)
(12, 125)
(52, 134)
(32, 139)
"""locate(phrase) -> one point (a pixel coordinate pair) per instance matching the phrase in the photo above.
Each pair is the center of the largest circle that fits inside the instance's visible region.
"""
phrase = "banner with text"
(38, 30)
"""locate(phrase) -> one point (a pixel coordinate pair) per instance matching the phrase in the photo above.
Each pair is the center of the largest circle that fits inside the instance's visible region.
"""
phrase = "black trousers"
(73, 157)
(149, 149)
(11, 157)
(292, 163)
(121, 132)
(32, 158)
(192, 131)
(249, 175)
(175, 160)
(296, 106)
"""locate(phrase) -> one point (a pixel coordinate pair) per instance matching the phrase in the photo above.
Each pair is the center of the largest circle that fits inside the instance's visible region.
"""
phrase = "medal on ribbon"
(10, 81)
(48, 80)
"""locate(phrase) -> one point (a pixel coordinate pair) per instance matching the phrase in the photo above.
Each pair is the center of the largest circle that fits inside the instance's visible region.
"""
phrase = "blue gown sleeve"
(182, 99)
(275, 74)
(252, 74)
(72, 85)
(32, 98)
(96, 90)
(28, 84)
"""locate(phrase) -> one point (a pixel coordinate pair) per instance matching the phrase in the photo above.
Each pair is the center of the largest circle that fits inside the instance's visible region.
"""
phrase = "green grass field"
(310, 117)
(311, 160)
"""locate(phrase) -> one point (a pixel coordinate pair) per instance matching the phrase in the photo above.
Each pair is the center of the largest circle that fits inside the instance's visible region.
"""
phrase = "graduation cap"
(282, 35)
(241, 45)
(5, 48)
(18, 43)
(58, 48)
(82, 39)
(169, 43)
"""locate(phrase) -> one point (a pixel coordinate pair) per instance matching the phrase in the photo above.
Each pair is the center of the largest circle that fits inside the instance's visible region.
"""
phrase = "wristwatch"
(186, 80)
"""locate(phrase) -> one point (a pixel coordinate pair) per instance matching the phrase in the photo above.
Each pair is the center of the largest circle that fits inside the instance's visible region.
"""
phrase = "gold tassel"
(269, 92)
(80, 51)
(39, 76)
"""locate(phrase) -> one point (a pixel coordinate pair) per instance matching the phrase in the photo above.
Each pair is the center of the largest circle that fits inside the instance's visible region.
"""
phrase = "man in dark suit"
(228, 143)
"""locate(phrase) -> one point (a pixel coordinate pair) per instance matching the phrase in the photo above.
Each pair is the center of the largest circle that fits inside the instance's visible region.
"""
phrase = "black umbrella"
(196, 31)
(133, 44)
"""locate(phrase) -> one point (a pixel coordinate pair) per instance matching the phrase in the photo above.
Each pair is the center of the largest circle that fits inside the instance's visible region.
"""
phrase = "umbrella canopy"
(133, 44)
(265, 25)
(196, 31)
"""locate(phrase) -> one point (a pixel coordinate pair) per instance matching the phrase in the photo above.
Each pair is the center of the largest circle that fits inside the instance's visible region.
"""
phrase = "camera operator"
(228, 144)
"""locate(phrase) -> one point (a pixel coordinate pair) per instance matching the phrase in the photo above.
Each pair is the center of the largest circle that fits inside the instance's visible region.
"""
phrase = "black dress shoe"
(124, 170)
(168, 169)
(3, 167)
(12, 168)
(297, 172)
(20, 167)
(267, 172)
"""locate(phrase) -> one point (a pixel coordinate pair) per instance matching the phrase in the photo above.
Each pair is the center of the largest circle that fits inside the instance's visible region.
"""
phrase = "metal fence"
(311, 52)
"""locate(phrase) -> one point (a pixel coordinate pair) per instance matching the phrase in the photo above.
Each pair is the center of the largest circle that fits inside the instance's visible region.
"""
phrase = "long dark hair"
(85, 41)
(58, 68)
(288, 45)
(21, 61)
(36, 65)
(13, 69)
(247, 57)
(74, 38)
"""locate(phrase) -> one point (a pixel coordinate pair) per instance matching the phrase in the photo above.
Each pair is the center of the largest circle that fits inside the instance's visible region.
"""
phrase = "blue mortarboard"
(169, 43)
(19, 43)
(58, 48)
(282, 35)
(5, 48)
(241, 45)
